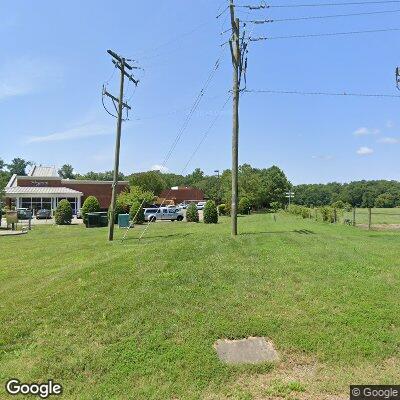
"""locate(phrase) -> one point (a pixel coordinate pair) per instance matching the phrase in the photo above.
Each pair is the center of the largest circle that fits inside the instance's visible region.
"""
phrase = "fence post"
(335, 215)
(354, 216)
(369, 217)
(316, 214)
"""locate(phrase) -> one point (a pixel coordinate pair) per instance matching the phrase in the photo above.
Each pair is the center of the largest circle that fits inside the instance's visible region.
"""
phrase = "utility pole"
(122, 65)
(237, 71)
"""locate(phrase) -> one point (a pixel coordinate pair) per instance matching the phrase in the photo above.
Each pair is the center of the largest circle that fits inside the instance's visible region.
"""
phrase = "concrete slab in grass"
(252, 350)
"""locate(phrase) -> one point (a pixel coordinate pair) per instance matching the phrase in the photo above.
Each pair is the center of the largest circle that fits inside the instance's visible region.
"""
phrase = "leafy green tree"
(91, 204)
(66, 172)
(18, 166)
(135, 194)
(151, 181)
(192, 215)
(210, 213)
(211, 187)
(275, 206)
(63, 214)
(385, 200)
(136, 213)
(196, 176)
(244, 206)
(275, 185)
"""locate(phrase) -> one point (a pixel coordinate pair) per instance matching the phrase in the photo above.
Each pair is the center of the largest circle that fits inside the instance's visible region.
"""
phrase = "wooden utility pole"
(237, 71)
(122, 65)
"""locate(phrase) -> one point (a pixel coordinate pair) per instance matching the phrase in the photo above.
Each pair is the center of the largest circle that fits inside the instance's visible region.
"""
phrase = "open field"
(383, 216)
(138, 320)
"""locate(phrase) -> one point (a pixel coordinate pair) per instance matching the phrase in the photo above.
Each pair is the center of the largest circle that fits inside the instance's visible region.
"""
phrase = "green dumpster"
(97, 219)
(123, 220)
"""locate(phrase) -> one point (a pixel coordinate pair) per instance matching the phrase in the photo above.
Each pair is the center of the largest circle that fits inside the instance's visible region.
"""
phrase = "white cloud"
(366, 131)
(79, 132)
(27, 75)
(158, 167)
(364, 151)
(389, 140)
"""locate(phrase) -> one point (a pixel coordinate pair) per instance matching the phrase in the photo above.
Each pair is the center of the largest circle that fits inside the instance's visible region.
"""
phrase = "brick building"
(43, 188)
(182, 194)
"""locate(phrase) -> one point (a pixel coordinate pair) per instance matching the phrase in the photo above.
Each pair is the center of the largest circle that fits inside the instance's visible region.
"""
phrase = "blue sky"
(53, 64)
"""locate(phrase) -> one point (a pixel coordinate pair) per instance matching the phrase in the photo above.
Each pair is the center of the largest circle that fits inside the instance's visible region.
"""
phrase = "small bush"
(301, 211)
(63, 214)
(210, 213)
(275, 206)
(222, 209)
(136, 213)
(91, 204)
(328, 214)
(244, 206)
(192, 215)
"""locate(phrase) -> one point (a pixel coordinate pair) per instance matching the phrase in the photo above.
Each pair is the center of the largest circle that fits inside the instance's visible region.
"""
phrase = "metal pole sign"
(289, 195)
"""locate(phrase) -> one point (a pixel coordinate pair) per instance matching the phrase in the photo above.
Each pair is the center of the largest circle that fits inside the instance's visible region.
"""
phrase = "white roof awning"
(29, 191)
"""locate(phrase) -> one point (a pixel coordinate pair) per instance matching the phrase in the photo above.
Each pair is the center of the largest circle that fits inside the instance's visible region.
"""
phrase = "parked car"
(162, 214)
(24, 213)
(200, 205)
(182, 206)
(43, 214)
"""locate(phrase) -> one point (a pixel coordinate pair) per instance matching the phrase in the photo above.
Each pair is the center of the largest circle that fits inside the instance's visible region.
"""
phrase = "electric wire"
(305, 93)
(256, 39)
(263, 5)
(202, 140)
(319, 17)
(183, 129)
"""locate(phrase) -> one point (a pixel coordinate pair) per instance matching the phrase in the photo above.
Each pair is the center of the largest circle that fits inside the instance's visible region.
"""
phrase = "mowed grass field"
(138, 320)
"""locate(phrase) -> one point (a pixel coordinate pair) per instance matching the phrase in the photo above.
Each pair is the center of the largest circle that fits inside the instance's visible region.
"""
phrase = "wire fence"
(371, 218)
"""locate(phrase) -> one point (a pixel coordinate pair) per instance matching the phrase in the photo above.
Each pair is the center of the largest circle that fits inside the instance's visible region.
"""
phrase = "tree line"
(258, 187)
(375, 193)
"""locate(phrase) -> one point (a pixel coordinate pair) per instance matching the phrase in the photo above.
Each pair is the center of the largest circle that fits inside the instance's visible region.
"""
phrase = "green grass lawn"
(138, 320)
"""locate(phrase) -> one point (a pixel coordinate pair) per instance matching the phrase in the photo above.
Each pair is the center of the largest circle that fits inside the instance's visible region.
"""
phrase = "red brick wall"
(101, 191)
(182, 194)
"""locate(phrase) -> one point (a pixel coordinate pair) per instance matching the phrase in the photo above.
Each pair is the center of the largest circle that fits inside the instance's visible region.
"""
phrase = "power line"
(182, 130)
(256, 39)
(303, 93)
(320, 17)
(264, 5)
(203, 138)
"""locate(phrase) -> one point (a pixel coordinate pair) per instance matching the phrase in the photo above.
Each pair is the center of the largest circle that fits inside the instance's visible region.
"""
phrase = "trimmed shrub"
(244, 206)
(192, 215)
(63, 214)
(222, 209)
(91, 204)
(210, 213)
(136, 213)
